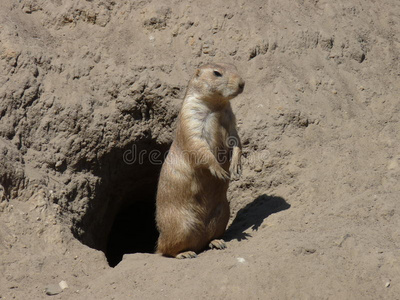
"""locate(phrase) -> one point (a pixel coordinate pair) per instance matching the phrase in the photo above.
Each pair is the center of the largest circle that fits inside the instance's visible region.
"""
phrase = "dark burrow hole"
(120, 218)
(133, 230)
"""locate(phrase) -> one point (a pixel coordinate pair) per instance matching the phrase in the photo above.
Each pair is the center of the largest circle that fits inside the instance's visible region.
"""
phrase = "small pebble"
(241, 259)
(63, 284)
(53, 289)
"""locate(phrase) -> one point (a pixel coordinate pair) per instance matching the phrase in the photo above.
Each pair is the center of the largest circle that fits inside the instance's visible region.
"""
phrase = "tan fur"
(192, 208)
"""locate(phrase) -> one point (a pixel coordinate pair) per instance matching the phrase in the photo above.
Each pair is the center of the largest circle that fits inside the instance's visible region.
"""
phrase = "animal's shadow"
(253, 214)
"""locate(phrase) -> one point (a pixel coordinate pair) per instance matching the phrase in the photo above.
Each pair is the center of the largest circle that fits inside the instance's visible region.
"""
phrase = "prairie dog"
(192, 209)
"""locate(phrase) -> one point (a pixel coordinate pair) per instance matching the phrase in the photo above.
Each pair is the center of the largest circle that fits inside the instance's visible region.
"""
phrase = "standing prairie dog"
(192, 207)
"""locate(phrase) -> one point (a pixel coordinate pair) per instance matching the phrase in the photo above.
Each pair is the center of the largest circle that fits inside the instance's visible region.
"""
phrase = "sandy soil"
(315, 214)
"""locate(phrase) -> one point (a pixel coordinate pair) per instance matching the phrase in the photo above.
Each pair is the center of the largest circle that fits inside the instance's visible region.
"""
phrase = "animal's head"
(217, 82)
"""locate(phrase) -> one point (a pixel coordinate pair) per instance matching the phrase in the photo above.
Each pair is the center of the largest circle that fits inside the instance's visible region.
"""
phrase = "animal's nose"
(241, 84)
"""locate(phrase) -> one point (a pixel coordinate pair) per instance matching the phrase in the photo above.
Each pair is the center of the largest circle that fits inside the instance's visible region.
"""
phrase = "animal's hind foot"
(186, 254)
(217, 244)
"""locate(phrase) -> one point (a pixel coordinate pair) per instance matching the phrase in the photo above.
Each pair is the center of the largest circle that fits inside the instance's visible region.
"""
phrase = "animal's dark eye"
(218, 74)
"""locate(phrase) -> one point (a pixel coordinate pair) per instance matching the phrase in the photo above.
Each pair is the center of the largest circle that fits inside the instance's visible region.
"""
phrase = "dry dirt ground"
(87, 86)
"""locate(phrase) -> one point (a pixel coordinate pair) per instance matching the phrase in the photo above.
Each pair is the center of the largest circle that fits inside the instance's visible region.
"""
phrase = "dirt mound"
(90, 91)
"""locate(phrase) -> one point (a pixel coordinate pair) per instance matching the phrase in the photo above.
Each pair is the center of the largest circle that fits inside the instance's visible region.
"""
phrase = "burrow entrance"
(120, 218)
(133, 230)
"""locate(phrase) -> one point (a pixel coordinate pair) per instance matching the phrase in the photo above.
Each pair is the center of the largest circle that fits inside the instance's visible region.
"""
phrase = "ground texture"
(89, 88)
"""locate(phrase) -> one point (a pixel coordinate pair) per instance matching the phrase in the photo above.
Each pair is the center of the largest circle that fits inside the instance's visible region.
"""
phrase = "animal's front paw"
(217, 244)
(187, 254)
(219, 172)
(235, 170)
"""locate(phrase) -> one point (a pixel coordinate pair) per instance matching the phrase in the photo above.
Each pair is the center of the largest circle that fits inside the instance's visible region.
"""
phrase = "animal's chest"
(216, 131)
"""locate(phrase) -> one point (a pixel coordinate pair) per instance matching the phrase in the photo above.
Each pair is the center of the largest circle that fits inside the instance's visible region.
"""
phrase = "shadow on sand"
(252, 216)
